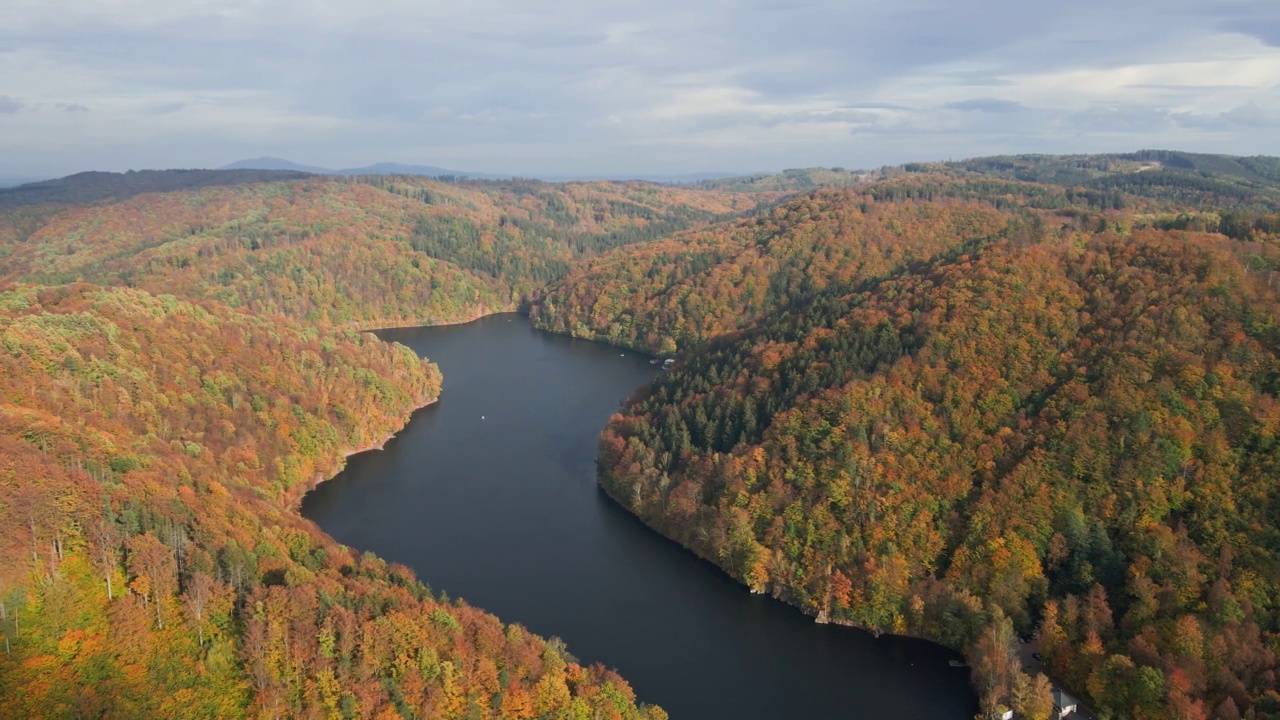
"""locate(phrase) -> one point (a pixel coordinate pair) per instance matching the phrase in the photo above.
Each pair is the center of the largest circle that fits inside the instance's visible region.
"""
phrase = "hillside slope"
(154, 446)
(151, 451)
(1030, 394)
(389, 251)
(1193, 180)
(1074, 434)
(677, 292)
(672, 294)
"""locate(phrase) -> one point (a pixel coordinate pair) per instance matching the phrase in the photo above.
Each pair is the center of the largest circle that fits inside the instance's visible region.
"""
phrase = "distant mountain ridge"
(393, 168)
(275, 163)
(383, 168)
(1191, 179)
(93, 186)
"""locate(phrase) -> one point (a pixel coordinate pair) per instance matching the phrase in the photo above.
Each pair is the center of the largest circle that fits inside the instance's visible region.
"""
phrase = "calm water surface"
(490, 495)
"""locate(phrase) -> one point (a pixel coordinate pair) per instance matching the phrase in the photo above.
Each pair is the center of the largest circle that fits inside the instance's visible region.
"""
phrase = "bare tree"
(107, 542)
(197, 598)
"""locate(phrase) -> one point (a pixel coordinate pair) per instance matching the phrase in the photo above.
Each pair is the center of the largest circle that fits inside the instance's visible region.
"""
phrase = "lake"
(490, 495)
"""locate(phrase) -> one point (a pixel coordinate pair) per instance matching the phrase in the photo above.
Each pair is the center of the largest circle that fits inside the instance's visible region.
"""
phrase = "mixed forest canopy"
(1187, 180)
(1044, 420)
(153, 451)
(371, 252)
(1025, 395)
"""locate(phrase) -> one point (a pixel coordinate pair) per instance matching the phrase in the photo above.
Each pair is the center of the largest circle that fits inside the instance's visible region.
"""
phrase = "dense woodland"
(683, 290)
(374, 252)
(1041, 430)
(153, 566)
(1188, 180)
(670, 295)
(967, 401)
(156, 565)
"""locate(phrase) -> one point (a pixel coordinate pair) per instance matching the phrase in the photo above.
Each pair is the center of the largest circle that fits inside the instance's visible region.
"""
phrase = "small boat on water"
(956, 664)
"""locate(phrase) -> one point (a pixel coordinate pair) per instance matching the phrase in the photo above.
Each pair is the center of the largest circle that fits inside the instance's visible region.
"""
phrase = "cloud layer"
(571, 86)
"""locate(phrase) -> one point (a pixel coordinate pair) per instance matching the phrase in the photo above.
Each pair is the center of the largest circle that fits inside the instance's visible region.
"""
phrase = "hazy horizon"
(629, 88)
(11, 179)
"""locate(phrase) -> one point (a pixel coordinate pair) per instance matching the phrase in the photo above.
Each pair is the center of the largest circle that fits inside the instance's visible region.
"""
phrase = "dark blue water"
(490, 495)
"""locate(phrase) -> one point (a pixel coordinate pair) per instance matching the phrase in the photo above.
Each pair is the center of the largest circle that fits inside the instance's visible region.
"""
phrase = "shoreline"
(323, 476)
(658, 535)
(469, 319)
(295, 498)
(770, 593)
(821, 618)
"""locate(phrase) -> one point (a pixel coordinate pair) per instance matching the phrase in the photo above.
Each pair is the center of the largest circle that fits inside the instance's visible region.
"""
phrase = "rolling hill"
(95, 187)
(383, 168)
(384, 251)
(151, 451)
(965, 401)
(1030, 425)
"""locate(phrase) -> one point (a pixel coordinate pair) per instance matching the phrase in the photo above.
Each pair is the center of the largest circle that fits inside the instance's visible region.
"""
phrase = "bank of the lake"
(490, 494)
(298, 495)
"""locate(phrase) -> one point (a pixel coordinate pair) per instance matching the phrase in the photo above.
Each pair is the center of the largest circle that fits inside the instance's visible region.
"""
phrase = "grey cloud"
(972, 119)
(852, 116)
(875, 106)
(860, 45)
(1115, 118)
(550, 40)
(1149, 119)
(165, 108)
(986, 105)
(10, 105)
(1268, 32)
(1182, 88)
(977, 79)
(1247, 116)
(1251, 115)
(1259, 19)
(73, 107)
(476, 85)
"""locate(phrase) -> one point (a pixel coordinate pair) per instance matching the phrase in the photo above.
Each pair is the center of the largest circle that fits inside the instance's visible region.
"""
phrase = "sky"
(616, 87)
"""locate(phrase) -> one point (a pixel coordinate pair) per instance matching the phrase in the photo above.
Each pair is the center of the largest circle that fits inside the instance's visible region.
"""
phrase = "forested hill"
(154, 440)
(150, 454)
(382, 251)
(685, 289)
(790, 181)
(1053, 422)
(959, 400)
(1192, 180)
(677, 292)
(1187, 180)
(94, 187)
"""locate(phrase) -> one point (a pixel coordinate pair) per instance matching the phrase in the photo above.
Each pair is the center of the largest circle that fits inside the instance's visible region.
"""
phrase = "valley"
(964, 402)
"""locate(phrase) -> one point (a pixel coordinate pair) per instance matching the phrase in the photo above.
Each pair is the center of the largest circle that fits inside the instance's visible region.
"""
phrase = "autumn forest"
(1025, 396)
